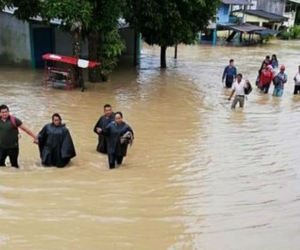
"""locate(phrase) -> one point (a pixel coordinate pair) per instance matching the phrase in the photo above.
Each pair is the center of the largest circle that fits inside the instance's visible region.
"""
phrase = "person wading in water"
(238, 88)
(101, 124)
(229, 74)
(119, 135)
(279, 81)
(9, 137)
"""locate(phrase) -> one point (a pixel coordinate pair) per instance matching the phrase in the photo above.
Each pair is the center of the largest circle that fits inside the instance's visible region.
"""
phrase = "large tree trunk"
(94, 43)
(163, 62)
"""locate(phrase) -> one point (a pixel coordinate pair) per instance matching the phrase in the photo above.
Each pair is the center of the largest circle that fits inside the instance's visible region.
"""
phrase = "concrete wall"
(292, 17)
(273, 6)
(128, 35)
(64, 44)
(14, 41)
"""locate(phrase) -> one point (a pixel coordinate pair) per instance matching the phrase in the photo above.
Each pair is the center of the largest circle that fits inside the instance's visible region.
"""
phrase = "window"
(288, 8)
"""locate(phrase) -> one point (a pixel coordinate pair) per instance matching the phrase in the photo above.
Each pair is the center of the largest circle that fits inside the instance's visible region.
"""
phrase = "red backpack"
(13, 122)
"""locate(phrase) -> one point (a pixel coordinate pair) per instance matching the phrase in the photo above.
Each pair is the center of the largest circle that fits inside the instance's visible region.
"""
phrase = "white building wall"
(14, 41)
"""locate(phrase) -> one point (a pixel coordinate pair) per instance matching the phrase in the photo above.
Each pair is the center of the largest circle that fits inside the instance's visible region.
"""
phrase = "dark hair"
(56, 115)
(119, 113)
(231, 61)
(240, 75)
(107, 106)
(3, 106)
(275, 57)
(268, 57)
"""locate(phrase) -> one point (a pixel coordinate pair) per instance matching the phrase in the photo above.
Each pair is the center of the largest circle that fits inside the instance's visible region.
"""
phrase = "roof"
(236, 2)
(241, 27)
(71, 60)
(266, 32)
(246, 28)
(266, 15)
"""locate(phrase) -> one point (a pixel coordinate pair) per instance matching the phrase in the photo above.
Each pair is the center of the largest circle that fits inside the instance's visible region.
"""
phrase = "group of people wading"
(55, 143)
(266, 76)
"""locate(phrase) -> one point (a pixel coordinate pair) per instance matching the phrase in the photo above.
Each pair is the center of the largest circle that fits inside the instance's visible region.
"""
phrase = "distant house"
(243, 17)
(263, 18)
(290, 11)
(24, 43)
(287, 8)
(223, 17)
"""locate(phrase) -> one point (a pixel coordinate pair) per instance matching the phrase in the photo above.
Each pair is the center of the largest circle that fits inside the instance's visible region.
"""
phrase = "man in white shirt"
(297, 82)
(238, 88)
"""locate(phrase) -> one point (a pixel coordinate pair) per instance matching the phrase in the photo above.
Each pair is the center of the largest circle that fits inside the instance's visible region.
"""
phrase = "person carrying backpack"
(239, 88)
(279, 81)
(9, 137)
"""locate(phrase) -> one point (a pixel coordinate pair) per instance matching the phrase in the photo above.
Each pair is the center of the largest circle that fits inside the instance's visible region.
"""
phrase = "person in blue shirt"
(274, 61)
(229, 74)
(279, 81)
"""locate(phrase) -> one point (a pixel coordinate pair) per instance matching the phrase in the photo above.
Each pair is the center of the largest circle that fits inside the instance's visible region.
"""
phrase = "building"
(251, 18)
(24, 43)
(287, 8)
(263, 18)
(223, 17)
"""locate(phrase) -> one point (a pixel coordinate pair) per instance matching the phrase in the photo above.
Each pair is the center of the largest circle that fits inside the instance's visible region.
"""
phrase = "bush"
(291, 33)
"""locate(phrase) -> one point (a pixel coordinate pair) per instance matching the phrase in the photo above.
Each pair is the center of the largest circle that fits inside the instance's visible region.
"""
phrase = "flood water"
(199, 176)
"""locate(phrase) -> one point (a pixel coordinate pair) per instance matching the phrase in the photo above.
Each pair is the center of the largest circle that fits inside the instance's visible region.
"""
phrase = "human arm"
(98, 125)
(231, 95)
(29, 132)
(106, 130)
(224, 74)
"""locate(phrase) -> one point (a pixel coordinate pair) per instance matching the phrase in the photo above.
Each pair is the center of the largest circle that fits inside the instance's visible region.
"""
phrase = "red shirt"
(266, 76)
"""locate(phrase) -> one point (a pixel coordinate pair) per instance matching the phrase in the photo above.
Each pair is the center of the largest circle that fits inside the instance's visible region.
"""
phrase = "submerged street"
(198, 176)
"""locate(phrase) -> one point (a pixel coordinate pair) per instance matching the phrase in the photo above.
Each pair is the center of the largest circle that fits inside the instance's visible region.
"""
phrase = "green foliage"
(26, 8)
(111, 48)
(69, 11)
(291, 33)
(90, 15)
(170, 22)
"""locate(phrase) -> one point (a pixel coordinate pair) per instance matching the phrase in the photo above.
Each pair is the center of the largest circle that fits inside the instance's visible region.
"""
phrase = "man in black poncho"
(101, 124)
(56, 144)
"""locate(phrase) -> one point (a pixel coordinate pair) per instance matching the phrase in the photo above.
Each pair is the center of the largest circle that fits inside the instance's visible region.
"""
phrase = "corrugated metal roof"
(266, 15)
(266, 32)
(237, 2)
(246, 28)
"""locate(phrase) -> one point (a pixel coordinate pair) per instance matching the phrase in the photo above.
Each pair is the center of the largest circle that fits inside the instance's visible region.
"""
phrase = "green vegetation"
(170, 22)
(291, 33)
(163, 23)
(93, 19)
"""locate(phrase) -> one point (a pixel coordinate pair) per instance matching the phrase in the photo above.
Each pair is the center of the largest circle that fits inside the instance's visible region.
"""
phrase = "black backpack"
(248, 89)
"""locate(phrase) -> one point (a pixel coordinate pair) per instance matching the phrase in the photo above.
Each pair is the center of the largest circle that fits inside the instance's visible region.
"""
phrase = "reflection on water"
(199, 176)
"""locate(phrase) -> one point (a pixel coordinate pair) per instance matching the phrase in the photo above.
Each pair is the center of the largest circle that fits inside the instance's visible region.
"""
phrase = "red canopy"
(71, 60)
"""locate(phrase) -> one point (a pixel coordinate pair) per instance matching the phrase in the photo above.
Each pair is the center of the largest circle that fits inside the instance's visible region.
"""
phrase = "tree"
(96, 20)
(105, 43)
(167, 23)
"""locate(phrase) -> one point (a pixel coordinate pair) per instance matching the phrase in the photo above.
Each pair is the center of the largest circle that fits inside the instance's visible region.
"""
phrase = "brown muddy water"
(199, 176)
